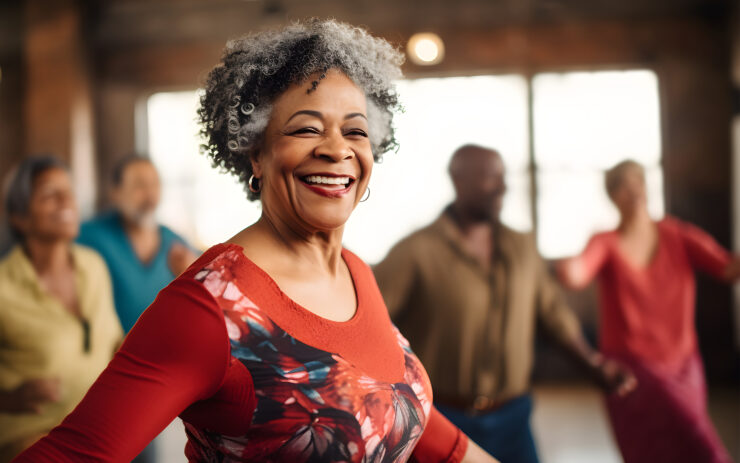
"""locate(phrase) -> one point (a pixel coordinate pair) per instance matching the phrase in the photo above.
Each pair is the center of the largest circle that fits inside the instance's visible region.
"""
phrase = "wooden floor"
(571, 426)
(569, 423)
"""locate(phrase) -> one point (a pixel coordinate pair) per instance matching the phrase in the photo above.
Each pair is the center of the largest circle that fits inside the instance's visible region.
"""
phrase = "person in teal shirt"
(142, 255)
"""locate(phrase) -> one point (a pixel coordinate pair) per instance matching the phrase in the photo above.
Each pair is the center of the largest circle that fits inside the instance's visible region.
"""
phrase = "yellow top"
(39, 338)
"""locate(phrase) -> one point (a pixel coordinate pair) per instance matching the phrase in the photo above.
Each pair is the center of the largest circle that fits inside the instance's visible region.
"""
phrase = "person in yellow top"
(58, 326)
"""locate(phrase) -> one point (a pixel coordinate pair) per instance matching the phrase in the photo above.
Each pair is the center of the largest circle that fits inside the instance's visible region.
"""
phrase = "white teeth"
(327, 180)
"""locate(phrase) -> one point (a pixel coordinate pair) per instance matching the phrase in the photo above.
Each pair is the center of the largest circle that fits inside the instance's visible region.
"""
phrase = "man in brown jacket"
(467, 292)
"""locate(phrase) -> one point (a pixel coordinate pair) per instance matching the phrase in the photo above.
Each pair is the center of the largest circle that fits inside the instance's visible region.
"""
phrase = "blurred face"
(52, 211)
(137, 196)
(316, 160)
(480, 184)
(630, 195)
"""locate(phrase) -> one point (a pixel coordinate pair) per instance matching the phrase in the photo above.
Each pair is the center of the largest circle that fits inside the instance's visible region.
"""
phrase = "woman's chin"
(327, 221)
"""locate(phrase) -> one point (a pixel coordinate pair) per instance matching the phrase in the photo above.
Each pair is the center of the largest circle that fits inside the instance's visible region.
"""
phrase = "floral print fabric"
(312, 405)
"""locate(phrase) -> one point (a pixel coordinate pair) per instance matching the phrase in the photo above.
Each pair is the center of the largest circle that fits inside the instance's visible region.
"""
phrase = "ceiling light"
(425, 49)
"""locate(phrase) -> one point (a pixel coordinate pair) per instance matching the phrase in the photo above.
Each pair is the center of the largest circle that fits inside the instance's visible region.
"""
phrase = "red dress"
(256, 377)
(647, 323)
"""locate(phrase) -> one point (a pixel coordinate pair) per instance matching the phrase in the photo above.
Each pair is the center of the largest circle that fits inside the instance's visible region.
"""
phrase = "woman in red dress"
(276, 346)
(645, 271)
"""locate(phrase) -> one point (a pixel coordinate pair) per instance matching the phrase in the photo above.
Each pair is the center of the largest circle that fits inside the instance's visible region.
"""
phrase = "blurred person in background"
(468, 291)
(645, 272)
(143, 256)
(276, 345)
(58, 327)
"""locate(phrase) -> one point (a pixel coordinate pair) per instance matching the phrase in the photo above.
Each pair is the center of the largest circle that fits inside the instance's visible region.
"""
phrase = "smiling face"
(316, 159)
(52, 212)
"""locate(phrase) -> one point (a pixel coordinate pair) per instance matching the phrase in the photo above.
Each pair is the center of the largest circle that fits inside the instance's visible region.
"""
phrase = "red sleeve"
(176, 354)
(704, 252)
(442, 441)
(588, 264)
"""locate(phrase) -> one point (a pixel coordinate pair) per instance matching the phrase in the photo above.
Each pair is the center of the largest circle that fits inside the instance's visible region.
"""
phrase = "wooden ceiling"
(134, 22)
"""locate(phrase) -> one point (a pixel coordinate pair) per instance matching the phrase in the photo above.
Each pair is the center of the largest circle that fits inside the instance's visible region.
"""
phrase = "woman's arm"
(475, 454)
(563, 325)
(707, 255)
(577, 272)
(443, 442)
(731, 273)
(176, 354)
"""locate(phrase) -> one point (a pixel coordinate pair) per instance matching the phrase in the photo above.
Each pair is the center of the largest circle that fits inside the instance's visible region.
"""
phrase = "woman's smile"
(329, 185)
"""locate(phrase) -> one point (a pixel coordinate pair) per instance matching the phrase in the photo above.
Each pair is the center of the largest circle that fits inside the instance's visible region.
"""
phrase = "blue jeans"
(505, 432)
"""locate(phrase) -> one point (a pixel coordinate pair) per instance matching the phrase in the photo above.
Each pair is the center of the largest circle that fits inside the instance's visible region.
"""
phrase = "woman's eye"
(306, 130)
(356, 132)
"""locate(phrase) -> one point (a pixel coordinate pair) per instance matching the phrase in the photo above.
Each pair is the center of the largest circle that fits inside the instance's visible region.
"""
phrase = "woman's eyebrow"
(319, 115)
(352, 115)
(307, 112)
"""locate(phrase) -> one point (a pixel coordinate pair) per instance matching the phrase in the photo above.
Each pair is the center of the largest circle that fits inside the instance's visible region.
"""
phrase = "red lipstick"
(325, 189)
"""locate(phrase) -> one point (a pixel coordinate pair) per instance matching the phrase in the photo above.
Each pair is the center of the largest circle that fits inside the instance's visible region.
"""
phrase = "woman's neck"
(134, 229)
(48, 257)
(639, 220)
(272, 240)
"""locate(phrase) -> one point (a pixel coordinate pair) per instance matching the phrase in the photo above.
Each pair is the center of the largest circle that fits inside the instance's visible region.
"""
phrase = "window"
(584, 122)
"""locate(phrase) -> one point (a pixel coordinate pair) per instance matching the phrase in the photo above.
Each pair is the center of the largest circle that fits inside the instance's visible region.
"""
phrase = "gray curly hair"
(236, 105)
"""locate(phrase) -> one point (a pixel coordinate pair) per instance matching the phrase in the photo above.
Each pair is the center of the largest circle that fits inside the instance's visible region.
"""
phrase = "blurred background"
(563, 89)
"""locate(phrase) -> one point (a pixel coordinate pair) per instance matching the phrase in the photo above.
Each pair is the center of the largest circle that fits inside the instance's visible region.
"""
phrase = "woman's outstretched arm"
(176, 354)
(578, 271)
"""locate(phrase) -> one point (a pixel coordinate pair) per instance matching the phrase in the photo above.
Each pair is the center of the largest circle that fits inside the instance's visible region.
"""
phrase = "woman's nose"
(334, 148)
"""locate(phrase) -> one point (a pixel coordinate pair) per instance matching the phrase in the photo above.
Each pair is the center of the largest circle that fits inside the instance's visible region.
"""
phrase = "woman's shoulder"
(214, 270)
(88, 257)
(604, 238)
(8, 261)
(94, 270)
(216, 255)
(192, 292)
(11, 275)
(673, 224)
(350, 256)
(358, 267)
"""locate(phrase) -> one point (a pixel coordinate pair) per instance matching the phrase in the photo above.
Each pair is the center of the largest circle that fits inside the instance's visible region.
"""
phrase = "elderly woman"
(645, 271)
(276, 346)
(58, 328)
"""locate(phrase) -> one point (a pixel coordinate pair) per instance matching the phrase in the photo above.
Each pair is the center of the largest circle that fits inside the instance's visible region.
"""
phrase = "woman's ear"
(254, 159)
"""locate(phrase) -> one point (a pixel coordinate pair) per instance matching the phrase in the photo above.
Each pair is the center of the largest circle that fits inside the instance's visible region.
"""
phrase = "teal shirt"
(135, 284)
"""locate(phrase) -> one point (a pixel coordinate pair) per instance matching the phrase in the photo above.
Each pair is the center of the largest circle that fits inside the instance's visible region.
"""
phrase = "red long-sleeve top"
(256, 377)
(647, 313)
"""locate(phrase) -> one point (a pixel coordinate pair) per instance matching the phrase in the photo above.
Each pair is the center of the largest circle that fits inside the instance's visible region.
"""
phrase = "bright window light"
(584, 123)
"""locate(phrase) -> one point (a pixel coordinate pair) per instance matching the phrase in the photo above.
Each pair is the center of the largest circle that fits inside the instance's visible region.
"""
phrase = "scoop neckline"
(652, 262)
(359, 305)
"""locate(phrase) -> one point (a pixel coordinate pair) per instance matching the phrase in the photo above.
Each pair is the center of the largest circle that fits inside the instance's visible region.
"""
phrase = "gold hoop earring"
(254, 184)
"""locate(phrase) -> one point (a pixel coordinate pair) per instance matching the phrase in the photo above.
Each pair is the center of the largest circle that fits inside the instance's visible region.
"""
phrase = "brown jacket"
(473, 329)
